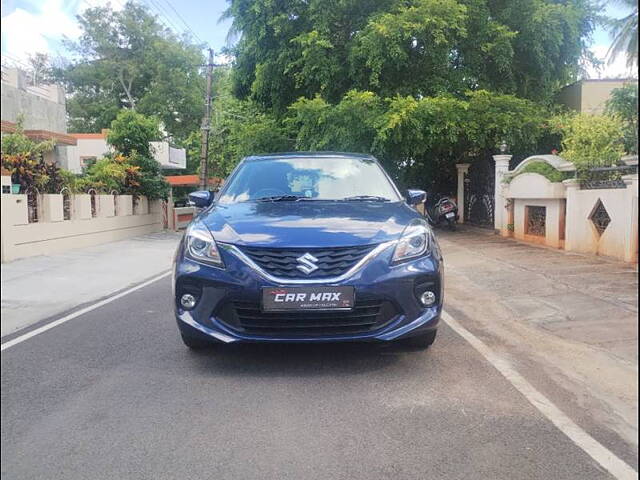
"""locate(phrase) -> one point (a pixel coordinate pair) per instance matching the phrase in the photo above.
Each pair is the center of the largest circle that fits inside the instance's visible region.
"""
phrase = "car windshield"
(309, 178)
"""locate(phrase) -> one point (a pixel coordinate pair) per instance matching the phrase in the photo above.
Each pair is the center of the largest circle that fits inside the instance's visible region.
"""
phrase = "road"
(114, 394)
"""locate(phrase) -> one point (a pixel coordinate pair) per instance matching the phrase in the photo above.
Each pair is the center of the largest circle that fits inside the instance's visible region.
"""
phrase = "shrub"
(113, 173)
(151, 183)
(133, 168)
(132, 131)
(623, 104)
(17, 143)
(28, 170)
(546, 170)
(590, 140)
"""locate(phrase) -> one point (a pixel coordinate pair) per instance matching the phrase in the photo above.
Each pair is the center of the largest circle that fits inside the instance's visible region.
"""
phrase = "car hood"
(308, 223)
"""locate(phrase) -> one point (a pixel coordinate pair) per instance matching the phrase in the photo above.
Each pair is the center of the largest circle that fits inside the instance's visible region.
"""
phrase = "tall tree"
(126, 59)
(625, 35)
(293, 48)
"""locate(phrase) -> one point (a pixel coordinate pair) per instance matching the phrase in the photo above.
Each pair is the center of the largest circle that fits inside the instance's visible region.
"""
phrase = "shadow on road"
(339, 359)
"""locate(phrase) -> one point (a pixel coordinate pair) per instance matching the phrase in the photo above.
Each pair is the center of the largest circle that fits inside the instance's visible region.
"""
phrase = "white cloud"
(617, 69)
(40, 31)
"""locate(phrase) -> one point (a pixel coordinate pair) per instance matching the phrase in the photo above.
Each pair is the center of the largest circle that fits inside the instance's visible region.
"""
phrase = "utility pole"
(206, 127)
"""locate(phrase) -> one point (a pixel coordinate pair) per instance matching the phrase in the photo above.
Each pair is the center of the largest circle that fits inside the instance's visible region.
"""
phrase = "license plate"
(450, 215)
(307, 298)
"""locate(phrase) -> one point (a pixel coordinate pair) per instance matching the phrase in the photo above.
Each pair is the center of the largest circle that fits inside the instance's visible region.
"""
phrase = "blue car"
(308, 247)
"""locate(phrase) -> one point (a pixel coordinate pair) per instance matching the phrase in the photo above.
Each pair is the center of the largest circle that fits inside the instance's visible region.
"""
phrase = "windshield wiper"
(282, 198)
(373, 198)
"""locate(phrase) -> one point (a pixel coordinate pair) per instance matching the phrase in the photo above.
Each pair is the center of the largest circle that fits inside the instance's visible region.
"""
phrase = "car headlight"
(413, 243)
(201, 246)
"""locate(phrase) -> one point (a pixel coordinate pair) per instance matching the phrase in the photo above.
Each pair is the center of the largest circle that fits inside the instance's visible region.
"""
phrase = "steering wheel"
(269, 192)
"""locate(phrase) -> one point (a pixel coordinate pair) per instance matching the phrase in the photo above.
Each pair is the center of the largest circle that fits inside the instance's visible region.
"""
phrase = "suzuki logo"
(307, 263)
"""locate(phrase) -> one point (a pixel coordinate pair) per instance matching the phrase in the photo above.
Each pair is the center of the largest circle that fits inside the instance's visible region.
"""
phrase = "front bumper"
(238, 282)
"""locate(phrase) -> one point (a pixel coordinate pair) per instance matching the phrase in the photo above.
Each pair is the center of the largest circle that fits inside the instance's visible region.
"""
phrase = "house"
(42, 109)
(92, 146)
(44, 115)
(590, 95)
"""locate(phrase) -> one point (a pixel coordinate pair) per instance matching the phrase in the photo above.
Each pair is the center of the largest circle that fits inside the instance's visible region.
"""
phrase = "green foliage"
(348, 126)
(17, 143)
(625, 35)
(30, 171)
(108, 174)
(396, 51)
(623, 104)
(419, 140)
(590, 140)
(290, 49)
(546, 170)
(238, 128)
(127, 59)
(69, 180)
(133, 169)
(151, 182)
(131, 132)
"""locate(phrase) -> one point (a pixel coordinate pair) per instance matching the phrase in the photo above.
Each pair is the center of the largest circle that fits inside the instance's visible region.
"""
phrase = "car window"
(322, 178)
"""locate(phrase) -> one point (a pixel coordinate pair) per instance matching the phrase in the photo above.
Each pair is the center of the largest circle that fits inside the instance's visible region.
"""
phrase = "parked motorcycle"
(441, 210)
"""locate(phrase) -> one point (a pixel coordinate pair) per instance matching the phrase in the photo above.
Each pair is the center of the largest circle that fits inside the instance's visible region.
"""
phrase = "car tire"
(195, 343)
(422, 341)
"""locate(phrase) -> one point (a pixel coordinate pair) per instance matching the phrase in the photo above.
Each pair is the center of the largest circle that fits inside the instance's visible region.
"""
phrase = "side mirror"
(416, 197)
(201, 198)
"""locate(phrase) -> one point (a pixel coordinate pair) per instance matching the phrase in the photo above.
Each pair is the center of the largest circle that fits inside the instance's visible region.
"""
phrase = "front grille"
(332, 262)
(366, 316)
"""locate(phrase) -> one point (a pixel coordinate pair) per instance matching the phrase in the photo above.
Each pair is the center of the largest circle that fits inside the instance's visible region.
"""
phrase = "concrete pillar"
(52, 208)
(572, 216)
(81, 207)
(631, 240)
(106, 205)
(500, 214)
(463, 169)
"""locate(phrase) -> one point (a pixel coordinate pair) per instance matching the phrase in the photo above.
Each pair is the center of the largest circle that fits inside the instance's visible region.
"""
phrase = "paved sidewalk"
(38, 288)
(568, 321)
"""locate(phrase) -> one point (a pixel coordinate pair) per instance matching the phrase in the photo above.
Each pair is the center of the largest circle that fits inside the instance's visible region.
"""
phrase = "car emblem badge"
(307, 263)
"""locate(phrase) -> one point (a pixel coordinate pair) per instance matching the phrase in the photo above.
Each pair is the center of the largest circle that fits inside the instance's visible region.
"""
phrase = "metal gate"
(479, 200)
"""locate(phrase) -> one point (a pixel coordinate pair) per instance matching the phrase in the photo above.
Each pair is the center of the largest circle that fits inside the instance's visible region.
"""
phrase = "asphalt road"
(113, 394)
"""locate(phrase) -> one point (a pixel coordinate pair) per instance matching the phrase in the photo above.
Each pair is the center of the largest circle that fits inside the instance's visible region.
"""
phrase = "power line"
(161, 12)
(185, 22)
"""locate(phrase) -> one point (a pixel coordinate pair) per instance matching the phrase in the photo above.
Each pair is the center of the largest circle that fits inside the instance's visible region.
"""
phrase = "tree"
(132, 131)
(418, 140)
(623, 104)
(292, 48)
(238, 128)
(126, 59)
(130, 135)
(625, 35)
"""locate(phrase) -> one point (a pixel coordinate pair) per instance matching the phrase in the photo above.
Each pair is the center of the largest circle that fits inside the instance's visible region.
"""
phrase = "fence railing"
(599, 178)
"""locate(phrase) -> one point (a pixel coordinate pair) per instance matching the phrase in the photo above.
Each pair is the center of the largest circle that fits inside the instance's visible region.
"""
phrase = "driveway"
(568, 321)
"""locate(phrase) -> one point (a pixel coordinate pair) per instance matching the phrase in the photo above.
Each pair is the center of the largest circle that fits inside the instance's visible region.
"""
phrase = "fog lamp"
(428, 298)
(188, 301)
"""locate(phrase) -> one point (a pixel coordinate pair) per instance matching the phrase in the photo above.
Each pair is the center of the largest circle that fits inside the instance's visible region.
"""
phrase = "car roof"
(270, 156)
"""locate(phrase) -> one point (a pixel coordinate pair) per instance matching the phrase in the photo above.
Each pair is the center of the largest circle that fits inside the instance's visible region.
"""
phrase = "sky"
(30, 26)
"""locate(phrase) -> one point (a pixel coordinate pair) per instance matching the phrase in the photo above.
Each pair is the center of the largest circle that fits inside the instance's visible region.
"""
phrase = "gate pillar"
(463, 169)
(500, 214)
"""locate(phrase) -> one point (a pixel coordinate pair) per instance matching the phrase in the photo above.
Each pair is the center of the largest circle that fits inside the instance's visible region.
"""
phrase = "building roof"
(40, 135)
(189, 180)
(91, 136)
